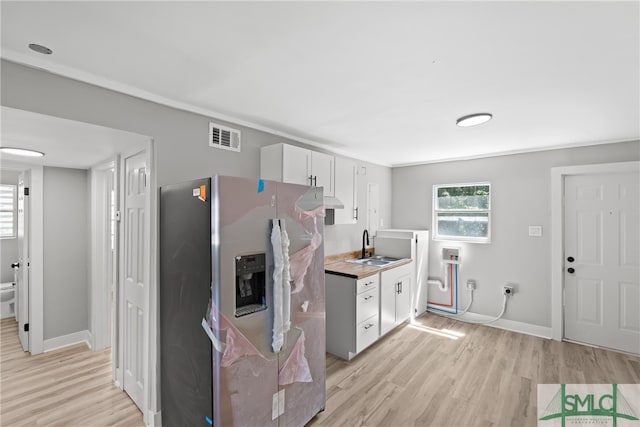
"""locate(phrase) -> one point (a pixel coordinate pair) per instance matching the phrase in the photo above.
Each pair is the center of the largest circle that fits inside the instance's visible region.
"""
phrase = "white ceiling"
(379, 81)
(66, 143)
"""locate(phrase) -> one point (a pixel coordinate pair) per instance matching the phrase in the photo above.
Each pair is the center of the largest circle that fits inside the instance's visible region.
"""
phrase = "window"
(7, 211)
(462, 212)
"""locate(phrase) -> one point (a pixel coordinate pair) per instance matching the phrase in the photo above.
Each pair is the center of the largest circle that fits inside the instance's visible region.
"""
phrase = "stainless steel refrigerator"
(242, 310)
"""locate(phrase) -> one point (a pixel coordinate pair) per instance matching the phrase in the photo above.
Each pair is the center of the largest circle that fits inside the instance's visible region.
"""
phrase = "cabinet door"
(403, 298)
(322, 169)
(346, 190)
(388, 287)
(296, 165)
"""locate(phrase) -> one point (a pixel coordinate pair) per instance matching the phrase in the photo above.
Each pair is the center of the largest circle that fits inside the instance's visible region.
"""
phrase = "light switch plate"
(535, 231)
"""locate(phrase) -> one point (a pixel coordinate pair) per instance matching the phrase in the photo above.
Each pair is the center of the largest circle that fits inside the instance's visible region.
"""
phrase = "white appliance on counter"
(412, 244)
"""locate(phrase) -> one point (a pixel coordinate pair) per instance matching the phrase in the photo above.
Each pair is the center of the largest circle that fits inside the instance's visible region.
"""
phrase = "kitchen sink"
(376, 261)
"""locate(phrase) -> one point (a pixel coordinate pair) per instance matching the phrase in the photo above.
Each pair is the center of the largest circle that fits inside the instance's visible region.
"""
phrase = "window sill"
(461, 239)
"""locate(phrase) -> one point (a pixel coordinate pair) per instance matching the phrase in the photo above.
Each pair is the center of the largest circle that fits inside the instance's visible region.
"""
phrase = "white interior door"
(103, 254)
(22, 268)
(601, 260)
(134, 275)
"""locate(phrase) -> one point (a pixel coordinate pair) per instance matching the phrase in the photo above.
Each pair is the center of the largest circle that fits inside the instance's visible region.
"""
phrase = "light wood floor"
(486, 377)
(416, 376)
(67, 387)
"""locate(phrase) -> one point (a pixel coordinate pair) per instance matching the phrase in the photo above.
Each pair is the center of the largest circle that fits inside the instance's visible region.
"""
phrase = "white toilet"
(7, 299)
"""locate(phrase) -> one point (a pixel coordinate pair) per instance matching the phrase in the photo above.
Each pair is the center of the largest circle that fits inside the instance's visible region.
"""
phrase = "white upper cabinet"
(296, 165)
(346, 191)
(322, 169)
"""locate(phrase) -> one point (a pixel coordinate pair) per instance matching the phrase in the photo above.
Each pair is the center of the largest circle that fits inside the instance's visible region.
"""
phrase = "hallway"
(67, 387)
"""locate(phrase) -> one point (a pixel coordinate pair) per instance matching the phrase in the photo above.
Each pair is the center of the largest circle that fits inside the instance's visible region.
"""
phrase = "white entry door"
(602, 256)
(22, 269)
(134, 275)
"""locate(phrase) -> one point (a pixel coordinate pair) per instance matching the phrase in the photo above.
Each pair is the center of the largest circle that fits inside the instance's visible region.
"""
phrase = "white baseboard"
(509, 325)
(68, 340)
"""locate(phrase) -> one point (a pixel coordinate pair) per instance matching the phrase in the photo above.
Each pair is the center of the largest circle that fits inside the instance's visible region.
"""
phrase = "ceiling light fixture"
(40, 49)
(473, 119)
(21, 152)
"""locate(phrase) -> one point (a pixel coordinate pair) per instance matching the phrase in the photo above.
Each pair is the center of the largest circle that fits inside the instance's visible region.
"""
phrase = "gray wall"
(182, 152)
(521, 196)
(66, 251)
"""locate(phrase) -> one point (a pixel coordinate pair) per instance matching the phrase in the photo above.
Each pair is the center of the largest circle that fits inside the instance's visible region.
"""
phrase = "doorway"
(22, 266)
(103, 324)
(596, 252)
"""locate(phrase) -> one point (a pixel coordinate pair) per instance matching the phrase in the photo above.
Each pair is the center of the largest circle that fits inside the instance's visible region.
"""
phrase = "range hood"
(330, 205)
(331, 202)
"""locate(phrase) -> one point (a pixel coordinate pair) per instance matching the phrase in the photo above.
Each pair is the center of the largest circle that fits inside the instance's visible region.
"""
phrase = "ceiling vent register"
(224, 137)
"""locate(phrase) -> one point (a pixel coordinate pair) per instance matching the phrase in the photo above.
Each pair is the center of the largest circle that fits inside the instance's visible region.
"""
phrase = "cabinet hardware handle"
(571, 259)
(355, 213)
(310, 179)
(571, 270)
(315, 181)
(368, 297)
(368, 326)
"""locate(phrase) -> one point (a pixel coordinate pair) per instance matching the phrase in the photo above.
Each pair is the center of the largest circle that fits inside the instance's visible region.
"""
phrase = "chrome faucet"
(365, 235)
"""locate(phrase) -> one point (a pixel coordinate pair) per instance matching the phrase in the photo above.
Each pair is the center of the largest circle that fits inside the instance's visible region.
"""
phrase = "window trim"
(436, 212)
(14, 231)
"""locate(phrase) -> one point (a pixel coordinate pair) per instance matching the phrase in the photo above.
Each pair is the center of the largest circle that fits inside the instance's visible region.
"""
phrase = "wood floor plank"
(470, 376)
(70, 387)
(437, 373)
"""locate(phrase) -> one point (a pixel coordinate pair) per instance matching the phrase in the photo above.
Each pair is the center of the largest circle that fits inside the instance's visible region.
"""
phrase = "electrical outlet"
(507, 290)
(471, 284)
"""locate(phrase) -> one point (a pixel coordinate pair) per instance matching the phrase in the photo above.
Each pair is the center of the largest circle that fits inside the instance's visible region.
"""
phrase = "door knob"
(571, 270)
(571, 259)
(15, 265)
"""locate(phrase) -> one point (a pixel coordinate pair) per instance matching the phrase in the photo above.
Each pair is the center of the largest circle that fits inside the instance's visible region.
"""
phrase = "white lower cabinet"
(360, 311)
(366, 333)
(395, 297)
(352, 314)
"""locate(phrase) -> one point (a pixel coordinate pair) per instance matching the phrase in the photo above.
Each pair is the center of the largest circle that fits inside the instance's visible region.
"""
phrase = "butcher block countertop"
(337, 264)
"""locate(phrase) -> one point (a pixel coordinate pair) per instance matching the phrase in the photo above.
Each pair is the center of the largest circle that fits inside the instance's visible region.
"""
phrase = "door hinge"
(26, 191)
(26, 327)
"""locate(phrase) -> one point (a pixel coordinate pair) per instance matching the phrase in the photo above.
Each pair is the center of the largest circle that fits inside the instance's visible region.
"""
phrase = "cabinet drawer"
(366, 333)
(367, 283)
(366, 305)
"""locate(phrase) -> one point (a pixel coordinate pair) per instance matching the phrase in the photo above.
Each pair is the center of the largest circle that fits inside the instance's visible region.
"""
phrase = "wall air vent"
(224, 137)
